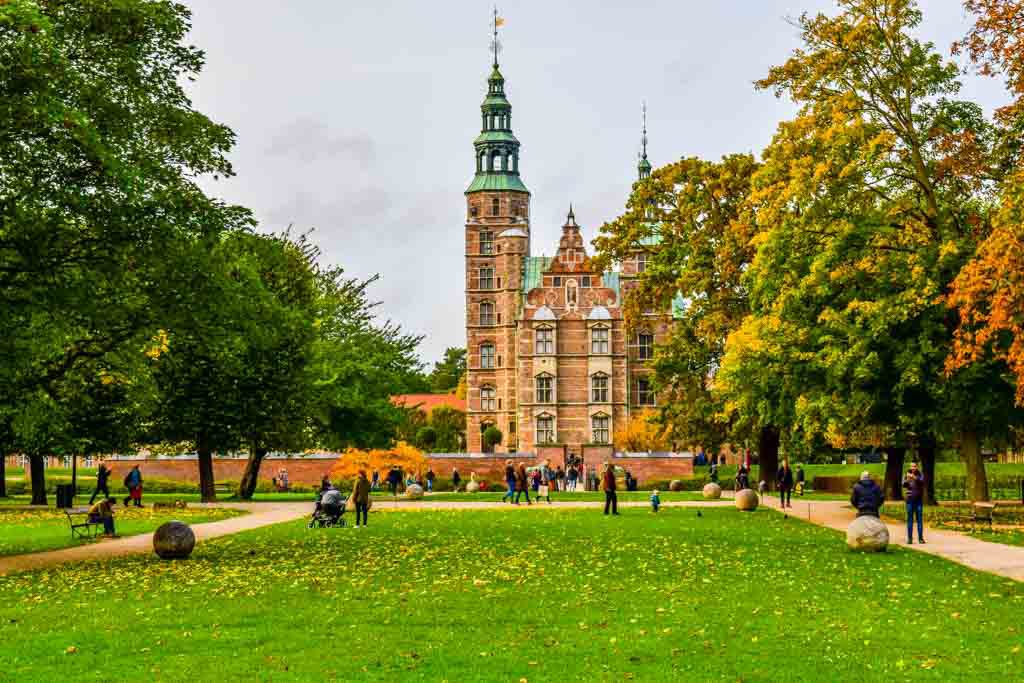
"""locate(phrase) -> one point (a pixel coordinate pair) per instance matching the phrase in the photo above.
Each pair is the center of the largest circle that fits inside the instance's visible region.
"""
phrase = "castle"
(550, 363)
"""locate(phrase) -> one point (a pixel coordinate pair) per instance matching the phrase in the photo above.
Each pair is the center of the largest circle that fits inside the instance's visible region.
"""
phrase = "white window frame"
(544, 341)
(600, 347)
(488, 398)
(599, 394)
(547, 430)
(600, 435)
(644, 351)
(487, 319)
(544, 388)
(487, 356)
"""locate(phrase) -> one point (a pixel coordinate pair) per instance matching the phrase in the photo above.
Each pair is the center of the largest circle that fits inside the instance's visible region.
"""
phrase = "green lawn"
(949, 517)
(541, 595)
(29, 531)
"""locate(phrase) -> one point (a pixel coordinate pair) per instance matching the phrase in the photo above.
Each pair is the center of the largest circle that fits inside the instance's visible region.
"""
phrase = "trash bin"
(65, 495)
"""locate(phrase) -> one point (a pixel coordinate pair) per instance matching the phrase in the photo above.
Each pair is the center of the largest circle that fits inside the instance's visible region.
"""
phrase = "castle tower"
(497, 241)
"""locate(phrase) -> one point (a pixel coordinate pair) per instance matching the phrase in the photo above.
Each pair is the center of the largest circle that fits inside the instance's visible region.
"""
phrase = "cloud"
(309, 141)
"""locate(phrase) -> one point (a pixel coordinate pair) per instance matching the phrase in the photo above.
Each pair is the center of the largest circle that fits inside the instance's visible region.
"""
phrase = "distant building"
(427, 402)
(550, 362)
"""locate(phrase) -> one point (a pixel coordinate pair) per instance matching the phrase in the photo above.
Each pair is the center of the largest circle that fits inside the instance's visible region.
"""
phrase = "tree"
(641, 434)
(696, 221)
(870, 202)
(448, 371)
(403, 456)
(492, 436)
(100, 155)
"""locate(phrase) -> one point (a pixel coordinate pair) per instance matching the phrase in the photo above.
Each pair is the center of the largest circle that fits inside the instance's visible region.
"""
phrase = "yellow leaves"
(159, 344)
(71, 650)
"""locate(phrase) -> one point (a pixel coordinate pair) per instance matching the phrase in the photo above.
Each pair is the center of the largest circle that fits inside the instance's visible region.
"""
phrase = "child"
(655, 501)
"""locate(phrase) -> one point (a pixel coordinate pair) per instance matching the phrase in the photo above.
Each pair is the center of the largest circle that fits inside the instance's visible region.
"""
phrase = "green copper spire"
(497, 149)
(644, 167)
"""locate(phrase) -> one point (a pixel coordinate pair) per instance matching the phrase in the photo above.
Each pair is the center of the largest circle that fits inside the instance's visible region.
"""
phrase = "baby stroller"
(324, 517)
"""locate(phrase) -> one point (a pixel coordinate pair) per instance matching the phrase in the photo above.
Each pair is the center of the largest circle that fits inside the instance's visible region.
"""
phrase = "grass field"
(511, 595)
(29, 531)
(953, 517)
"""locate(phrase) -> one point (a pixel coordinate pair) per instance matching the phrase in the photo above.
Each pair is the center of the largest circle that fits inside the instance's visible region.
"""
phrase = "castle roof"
(599, 313)
(544, 313)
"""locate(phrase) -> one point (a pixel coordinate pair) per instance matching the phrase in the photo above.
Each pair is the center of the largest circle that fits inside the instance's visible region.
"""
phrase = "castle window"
(599, 388)
(545, 341)
(557, 282)
(641, 262)
(585, 281)
(487, 356)
(473, 211)
(545, 429)
(486, 241)
(644, 392)
(487, 399)
(512, 427)
(570, 293)
(645, 346)
(599, 428)
(599, 340)
(495, 206)
(545, 389)
(486, 279)
(487, 313)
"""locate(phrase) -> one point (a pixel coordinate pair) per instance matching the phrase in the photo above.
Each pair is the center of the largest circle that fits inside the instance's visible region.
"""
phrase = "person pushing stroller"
(329, 508)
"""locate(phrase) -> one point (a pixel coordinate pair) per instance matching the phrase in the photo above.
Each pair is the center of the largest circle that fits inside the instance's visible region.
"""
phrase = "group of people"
(519, 482)
(332, 504)
(132, 482)
(868, 497)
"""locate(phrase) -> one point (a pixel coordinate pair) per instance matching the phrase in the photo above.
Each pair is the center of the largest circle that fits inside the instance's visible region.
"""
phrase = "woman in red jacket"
(611, 499)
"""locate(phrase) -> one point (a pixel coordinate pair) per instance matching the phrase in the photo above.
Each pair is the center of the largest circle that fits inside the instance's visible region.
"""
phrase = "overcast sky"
(356, 118)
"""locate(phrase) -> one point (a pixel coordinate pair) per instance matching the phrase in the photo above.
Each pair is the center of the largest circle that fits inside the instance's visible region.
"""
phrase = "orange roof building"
(427, 402)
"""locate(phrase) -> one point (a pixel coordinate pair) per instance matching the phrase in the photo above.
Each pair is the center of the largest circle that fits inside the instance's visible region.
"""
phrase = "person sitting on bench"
(103, 512)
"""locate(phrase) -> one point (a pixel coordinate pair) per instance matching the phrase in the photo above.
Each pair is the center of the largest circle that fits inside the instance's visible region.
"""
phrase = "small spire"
(644, 166)
(495, 45)
(570, 220)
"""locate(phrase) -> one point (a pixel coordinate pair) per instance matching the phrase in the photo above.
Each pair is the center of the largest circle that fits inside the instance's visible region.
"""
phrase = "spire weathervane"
(643, 137)
(495, 44)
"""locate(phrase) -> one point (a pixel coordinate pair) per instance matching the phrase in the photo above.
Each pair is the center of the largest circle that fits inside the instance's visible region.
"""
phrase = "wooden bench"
(983, 512)
(81, 525)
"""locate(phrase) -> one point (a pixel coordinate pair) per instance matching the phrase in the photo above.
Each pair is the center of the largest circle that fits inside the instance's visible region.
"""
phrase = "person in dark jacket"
(867, 496)
(742, 478)
(133, 482)
(522, 484)
(361, 497)
(611, 498)
(510, 482)
(801, 480)
(394, 479)
(102, 477)
(784, 480)
(456, 480)
(913, 483)
(430, 480)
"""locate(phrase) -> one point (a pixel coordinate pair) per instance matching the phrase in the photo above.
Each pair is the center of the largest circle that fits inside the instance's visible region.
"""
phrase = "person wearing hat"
(103, 513)
(867, 496)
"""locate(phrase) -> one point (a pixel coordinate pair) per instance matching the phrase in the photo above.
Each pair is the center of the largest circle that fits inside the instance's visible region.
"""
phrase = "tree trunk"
(894, 456)
(252, 473)
(970, 453)
(38, 473)
(768, 455)
(207, 487)
(926, 452)
(74, 474)
(3, 473)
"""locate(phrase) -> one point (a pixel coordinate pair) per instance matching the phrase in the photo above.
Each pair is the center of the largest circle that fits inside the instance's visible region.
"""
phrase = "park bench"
(81, 525)
(979, 512)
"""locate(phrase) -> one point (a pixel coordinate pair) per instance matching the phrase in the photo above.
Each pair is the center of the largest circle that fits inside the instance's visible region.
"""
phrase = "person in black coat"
(102, 477)
(867, 496)
(394, 479)
(784, 480)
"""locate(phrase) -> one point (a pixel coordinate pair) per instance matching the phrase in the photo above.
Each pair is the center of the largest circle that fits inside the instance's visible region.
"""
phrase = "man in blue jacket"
(867, 496)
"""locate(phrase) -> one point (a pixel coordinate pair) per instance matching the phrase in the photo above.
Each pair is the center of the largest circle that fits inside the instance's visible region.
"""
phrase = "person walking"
(801, 480)
(867, 496)
(394, 479)
(742, 478)
(611, 499)
(784, 480)
(430, 480)
(522, 484)
(375, 482)
(133, 482)
(361, 497)
(547, 481)
(559, 479)
(456, 480)
(102, 477)
(913, 483)
(510, 482)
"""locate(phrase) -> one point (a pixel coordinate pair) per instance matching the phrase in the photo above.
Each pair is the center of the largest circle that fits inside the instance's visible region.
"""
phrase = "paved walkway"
(996, 558)
(260, 514)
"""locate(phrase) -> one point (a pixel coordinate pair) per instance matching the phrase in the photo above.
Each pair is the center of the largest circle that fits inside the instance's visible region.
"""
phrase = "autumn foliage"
(403, 456)
(642, 433)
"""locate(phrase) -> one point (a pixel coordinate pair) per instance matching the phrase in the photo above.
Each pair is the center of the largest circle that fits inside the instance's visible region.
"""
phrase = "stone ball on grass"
(174, 540)
(712, 491)
(472, 487)
(414, 492)
(675, 485)
(747, 500)
(867, 534)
